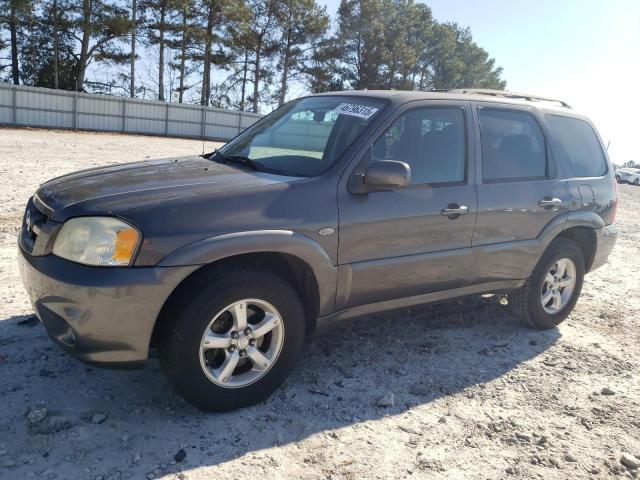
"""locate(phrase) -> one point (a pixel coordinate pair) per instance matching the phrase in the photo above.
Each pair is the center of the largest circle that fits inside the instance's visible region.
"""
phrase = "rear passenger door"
(520, 189)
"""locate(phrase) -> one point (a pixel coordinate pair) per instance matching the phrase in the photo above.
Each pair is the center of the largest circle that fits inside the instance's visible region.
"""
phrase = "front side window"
(513, 147)
(579, 146)
(431, 140)
(306, 136)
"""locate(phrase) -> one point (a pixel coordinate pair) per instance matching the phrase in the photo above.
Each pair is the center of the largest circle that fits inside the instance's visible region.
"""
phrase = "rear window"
(513, 147)
(579, 146)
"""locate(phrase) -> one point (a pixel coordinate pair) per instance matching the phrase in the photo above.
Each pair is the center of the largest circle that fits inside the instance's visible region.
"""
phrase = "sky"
(586, 52)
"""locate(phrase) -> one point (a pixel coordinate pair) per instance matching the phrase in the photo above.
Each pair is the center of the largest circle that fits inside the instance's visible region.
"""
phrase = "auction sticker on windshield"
(362, 111)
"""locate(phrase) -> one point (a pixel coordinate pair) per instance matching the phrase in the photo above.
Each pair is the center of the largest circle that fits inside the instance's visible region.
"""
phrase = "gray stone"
(99, 418)
(50, 425)
(420, 389)
(36, 414)
(629, 460)
(387, 400)
(180, 456)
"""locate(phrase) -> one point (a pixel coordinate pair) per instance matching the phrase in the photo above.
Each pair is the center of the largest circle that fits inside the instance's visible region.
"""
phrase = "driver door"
(417, 239)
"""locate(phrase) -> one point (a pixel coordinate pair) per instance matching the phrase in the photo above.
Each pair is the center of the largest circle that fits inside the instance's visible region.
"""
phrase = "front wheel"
(235, 341)
(618, 179)
(636, 181)
(550, 293)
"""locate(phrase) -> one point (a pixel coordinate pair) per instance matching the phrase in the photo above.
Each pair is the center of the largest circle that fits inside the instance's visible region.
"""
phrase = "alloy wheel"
(558, 285)
(241, 343)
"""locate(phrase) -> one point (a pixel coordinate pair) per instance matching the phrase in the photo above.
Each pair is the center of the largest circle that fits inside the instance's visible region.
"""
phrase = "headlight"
(103, 241)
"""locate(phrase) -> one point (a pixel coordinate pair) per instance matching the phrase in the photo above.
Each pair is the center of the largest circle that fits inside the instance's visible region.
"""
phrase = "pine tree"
(302, 24)
(17, 14)
(158, 28)
(46, 47)
(183, 30)
(260, 36)
(98, 24)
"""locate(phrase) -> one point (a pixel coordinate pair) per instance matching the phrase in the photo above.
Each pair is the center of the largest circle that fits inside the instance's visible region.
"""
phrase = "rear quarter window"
(579, 146)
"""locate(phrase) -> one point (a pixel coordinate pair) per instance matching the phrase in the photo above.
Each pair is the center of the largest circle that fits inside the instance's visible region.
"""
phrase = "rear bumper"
(102, 316)
(605, 240)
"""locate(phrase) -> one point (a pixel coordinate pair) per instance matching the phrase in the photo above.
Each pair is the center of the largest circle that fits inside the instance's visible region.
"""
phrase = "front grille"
(37, 231)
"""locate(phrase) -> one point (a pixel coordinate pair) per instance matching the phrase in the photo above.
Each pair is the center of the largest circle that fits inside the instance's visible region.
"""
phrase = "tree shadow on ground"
(419, 355)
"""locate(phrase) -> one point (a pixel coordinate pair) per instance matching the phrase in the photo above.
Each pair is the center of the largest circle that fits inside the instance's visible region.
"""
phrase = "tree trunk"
(183, 50)
(163, 12)
(245, 69)
(205, 95)
(134, 28)
(359, 63)
(285, 66)
(256, 76)
(392, 75)
(13, 27)
(56, 47)
(87, 8)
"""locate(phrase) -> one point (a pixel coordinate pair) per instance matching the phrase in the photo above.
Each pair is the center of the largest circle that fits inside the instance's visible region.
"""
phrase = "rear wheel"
(235, 341)
(551, 292)
(636, 181)
(618, 179)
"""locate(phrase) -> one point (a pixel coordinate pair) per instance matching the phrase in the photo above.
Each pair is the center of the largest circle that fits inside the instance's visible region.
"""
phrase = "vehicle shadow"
(418, 355)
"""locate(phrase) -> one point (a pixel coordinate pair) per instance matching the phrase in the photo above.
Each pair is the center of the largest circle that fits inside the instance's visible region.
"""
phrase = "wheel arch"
(579, 227)
(585, 238)
(296, 258)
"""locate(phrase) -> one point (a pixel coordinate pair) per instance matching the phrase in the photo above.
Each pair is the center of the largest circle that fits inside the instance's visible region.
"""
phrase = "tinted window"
(430, 140)
(305, 136)
(579, 146)
(513, 146)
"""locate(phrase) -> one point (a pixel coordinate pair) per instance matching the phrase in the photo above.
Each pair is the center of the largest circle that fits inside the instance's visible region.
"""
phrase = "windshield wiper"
(238, 160)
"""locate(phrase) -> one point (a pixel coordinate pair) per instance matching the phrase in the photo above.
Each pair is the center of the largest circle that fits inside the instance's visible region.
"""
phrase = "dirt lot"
(475, 395)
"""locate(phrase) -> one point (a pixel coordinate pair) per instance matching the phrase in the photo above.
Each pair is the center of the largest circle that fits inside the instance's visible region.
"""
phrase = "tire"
(187, 366)
(618, 179)
(636, 181)
(526, 303)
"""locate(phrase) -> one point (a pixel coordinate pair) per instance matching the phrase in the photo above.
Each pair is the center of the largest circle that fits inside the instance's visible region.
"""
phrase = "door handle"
(548, 202)
(454, 210)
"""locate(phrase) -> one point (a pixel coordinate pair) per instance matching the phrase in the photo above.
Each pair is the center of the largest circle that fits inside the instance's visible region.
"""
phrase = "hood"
(118, 188)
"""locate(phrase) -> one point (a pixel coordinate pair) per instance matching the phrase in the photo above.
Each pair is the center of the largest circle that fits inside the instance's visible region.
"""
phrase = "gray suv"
(334, 206)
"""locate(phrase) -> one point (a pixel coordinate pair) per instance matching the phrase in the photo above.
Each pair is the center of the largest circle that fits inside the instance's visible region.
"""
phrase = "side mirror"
(387, 174)
(381, 175)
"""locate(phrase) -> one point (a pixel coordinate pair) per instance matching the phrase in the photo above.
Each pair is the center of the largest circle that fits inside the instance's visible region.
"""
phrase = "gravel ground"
(460, 390)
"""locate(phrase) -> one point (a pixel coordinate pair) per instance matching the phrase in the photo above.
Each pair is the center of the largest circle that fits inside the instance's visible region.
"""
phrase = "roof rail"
(505, 94)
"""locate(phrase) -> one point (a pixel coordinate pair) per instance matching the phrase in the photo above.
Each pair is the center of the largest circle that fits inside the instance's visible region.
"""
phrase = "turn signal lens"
(126, 241)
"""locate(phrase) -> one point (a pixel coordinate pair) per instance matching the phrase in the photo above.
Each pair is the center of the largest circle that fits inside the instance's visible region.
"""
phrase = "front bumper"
(605, 240)
(100, 315)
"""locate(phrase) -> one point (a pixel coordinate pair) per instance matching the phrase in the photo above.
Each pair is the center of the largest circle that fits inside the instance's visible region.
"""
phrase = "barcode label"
(354, 110)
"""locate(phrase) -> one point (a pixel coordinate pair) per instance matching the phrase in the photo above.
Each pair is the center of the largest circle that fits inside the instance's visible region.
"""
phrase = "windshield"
(306, 136)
